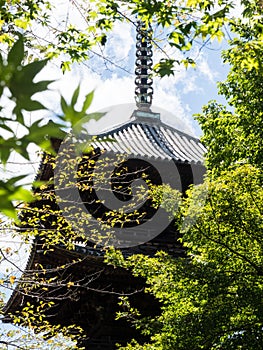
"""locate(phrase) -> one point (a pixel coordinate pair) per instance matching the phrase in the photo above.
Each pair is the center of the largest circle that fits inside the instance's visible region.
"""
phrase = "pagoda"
(150, 149)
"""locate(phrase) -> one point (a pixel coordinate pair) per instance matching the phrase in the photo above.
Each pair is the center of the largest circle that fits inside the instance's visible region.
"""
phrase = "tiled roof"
(153, 139)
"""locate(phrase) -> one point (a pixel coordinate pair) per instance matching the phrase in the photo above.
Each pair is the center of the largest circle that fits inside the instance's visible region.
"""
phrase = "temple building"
(144, 148)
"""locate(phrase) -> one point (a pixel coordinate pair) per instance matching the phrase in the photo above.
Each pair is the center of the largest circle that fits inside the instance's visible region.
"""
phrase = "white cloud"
(237, 9)
(190, 84)
(168, 97)
(206, 70)
(117, 90)
(170, 93)
(121, 41)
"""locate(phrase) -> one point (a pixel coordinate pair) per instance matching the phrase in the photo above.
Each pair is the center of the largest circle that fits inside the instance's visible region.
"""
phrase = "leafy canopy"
(183, 23)
(213, 298)
(18, 85)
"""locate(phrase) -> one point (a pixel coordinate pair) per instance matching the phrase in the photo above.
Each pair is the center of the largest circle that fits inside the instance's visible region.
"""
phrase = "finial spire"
(143, 69)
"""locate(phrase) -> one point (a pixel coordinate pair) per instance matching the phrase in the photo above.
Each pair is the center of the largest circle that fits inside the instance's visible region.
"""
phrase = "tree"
(240, 139)
(183, 22)
(18, 86)
(187, 21)
(213, 299)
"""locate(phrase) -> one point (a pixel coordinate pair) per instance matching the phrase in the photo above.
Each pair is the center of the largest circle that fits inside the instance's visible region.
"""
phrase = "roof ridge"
(167, 141)
(156, 123)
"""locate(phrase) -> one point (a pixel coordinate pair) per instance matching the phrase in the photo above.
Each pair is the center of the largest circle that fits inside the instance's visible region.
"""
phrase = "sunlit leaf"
(16, 54)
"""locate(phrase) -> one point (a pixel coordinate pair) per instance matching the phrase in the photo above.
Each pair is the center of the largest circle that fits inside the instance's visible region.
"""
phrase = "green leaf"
(165, 67)
(21, 23)
(16, 54)
(38, 183)
(37, 132)
(19, 115)
(15, 179)
(63, 105)
(22, 149)
(29, 71)
(33, 88)
(30, 105)
(8, 209)
(5, 127)
(21, 194)
(65, 66)
(96, 116)
(87, 101)
(75, 96)
(88, 117)
(4, 154)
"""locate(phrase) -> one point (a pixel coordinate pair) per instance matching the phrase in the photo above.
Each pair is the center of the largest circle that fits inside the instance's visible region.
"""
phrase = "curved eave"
(16, 297)
(94, 257)
(149, 139)
(152, 140)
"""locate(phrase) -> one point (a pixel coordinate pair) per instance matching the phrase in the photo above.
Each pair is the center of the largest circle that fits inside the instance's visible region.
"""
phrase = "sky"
(177, 97)
(182, 94)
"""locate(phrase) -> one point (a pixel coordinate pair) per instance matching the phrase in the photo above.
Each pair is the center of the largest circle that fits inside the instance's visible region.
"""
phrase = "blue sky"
(182, 95)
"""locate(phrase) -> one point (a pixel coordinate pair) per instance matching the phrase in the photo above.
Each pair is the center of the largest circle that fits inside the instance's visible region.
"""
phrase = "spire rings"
(143, 67)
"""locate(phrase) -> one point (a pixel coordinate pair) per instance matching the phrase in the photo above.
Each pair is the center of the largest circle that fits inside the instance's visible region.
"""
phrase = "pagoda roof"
(151, 138)
(142, 137)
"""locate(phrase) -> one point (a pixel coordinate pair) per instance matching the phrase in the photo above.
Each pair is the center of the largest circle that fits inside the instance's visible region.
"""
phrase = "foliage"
(213, 298)
(239, 139)
(183, 22)
(16, 16)
(45, 336)
(18, 87)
